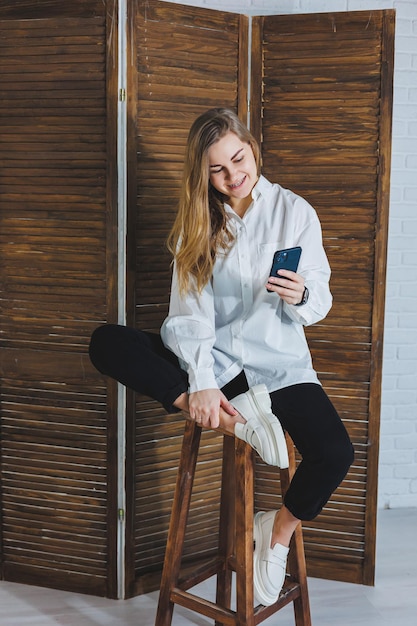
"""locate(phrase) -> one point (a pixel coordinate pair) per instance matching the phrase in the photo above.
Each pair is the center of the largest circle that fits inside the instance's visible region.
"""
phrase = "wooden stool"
(235, 543)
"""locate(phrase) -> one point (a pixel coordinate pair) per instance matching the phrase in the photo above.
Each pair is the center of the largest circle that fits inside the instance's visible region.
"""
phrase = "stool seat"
(235, 549)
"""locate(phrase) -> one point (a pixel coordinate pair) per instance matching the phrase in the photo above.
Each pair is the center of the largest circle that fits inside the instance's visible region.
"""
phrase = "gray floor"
(392, 602)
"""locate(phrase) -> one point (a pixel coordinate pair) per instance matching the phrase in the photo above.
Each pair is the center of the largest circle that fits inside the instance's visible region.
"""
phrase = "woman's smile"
(238, 184)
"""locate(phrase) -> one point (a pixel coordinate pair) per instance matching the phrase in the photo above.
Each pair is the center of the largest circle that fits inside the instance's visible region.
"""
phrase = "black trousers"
(140, 361)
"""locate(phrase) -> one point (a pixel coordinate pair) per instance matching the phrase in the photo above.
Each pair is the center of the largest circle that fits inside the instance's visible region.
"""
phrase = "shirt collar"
(262, 188)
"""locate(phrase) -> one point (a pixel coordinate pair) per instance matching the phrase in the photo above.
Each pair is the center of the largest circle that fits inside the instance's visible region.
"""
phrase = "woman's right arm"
(189, 332)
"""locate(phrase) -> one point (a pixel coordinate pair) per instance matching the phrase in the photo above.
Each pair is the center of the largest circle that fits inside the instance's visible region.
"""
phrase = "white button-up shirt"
(235, 324)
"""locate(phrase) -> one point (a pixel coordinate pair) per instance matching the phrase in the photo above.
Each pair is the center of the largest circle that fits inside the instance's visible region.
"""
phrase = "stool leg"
(297, 569)
(226, 524)
(296, 557)
(178, 522)
(244, 476)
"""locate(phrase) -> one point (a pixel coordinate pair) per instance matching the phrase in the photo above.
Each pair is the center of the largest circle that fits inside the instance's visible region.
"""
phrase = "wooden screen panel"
(54, 487)
(326, 107)
(179, 73)
(54, 245)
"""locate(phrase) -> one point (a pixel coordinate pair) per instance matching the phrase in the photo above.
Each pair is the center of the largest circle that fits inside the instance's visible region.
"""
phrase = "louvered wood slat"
(54, 485)
(56, 157)
(322, 136)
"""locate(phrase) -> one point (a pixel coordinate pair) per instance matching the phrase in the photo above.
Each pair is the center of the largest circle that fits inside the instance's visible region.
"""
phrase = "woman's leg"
(311, 420)
(318, 433)
(140, 361)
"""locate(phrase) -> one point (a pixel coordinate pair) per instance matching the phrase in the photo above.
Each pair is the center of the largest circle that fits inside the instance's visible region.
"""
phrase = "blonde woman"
(232, 352)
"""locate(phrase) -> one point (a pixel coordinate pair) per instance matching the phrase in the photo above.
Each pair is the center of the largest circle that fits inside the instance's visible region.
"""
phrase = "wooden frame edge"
(243, 68)
(256, 79)
(111, 8)
(381, 244)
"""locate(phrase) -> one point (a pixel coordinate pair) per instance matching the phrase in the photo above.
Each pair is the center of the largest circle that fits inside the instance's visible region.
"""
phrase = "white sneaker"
(269, 564)
(262, 429)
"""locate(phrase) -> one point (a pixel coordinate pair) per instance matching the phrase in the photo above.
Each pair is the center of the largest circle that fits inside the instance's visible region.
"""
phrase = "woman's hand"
(288, 285)
(204, 407)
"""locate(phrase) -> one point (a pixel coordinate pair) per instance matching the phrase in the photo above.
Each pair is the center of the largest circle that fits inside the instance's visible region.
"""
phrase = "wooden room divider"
(319, 100)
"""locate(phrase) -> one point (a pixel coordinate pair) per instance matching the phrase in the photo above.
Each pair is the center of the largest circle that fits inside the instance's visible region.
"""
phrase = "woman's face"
(233, 170)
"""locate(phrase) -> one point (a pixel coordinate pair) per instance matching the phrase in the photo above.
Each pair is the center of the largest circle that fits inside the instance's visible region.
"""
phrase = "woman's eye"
(216, 171)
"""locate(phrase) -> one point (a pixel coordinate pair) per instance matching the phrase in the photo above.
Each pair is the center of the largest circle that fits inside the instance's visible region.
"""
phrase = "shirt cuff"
(201, 379)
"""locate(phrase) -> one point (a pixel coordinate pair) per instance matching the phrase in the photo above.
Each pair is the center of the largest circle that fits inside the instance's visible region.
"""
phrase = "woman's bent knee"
(339, 458)
(101, 342)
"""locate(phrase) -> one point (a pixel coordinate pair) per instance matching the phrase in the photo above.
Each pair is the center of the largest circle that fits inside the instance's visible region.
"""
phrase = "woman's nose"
(231, 172)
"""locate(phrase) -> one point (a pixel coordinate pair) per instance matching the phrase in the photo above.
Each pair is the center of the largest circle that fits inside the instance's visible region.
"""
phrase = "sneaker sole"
(270, 422)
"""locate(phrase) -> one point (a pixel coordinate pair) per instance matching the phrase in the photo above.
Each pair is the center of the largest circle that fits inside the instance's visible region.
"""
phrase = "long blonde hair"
(201, 228)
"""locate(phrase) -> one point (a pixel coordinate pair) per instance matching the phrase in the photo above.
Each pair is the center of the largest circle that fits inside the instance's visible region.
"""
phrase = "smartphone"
(287, 259)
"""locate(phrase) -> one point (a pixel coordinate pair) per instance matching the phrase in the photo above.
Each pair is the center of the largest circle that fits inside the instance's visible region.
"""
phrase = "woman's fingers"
(288, 285)
(204, 407)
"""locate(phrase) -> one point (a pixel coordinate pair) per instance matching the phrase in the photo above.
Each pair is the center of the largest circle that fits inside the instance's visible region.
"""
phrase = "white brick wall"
(398, 456)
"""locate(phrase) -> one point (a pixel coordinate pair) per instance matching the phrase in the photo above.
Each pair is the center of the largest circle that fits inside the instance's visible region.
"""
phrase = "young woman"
(232, 352)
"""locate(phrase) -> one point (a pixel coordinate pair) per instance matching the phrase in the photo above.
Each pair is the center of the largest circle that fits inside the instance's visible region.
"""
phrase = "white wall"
(398, 457)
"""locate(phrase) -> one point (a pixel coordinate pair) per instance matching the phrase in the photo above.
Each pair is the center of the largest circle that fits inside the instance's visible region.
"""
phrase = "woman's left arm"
(306, 294)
